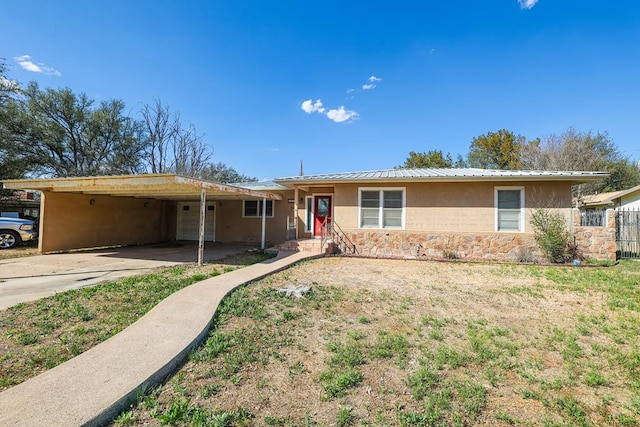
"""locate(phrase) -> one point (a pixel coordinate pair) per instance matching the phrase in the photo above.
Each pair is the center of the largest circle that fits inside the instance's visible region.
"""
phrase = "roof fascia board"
(135, 183)
(225, 188)
(317, 182)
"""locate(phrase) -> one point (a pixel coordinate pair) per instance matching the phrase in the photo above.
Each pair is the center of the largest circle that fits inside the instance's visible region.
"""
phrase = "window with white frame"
(308, 227)
(509, 203)
(253, 208)
(381, 208)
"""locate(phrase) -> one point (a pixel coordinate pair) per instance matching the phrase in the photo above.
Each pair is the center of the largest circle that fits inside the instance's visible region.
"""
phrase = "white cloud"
(25, 62)
(527, 4)
(342, 115)
(350, 90)
(374, 79)
(367, 87)
(309, 106)
(10, 85)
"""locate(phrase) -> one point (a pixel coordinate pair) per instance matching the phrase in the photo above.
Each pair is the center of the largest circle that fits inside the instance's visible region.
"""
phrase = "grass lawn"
(414, 343)
(36, 336)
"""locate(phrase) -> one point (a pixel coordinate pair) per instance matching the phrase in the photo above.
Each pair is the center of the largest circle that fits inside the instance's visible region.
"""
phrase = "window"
(253, 208)
(382, 208)
(591, 217)
(509, 203)
(309, 207)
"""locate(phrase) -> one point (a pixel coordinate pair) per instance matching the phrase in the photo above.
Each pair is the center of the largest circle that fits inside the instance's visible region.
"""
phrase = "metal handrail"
(346, 243)
(331, 230)
(324, 233)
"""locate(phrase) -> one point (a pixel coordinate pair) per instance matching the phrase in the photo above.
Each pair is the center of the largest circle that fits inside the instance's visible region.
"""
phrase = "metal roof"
(444, 175)
(261, 185)
(153, 186)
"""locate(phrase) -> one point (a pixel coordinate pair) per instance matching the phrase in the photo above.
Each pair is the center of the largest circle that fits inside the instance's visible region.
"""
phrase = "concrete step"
(304, 245)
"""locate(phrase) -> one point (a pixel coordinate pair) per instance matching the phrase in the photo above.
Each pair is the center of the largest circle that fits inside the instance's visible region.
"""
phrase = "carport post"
(264, 222)
(203, 203)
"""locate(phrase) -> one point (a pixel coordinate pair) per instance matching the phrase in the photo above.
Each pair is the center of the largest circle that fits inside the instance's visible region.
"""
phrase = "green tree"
(60, 133)
(8, 87)
(496, 150)
(623, 174)
(430, 159)
(219, 172)
(12, 162)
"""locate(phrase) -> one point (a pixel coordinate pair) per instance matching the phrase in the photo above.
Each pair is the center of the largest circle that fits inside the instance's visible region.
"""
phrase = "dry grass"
(20, 251)
(38, 335)
(383, 342)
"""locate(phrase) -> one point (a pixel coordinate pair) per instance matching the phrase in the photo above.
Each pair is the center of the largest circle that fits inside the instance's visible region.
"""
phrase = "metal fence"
(291, 228)
(593, 217)
(628, 232)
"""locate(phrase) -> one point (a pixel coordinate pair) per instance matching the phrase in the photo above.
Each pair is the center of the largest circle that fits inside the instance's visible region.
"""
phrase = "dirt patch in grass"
(389, 342)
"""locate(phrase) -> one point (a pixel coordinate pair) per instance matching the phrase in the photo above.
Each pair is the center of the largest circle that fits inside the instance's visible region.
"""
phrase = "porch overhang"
(149, 186)
(115, 217)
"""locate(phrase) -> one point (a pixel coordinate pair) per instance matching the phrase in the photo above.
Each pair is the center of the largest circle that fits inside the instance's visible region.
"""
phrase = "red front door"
(321, 213)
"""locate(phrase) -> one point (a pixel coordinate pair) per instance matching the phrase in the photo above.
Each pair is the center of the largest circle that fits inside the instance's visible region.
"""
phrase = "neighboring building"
(470, 213)
(19, 203)
(629, 198)
(620, 208)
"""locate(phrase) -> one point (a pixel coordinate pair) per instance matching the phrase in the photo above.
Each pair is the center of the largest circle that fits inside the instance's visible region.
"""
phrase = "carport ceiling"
(151, 186)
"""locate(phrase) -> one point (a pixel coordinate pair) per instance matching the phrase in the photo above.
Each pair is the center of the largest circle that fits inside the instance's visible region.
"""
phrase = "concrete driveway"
(31, 278)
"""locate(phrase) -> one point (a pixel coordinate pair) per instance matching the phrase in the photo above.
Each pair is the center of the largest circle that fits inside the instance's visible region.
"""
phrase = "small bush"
(552, 235)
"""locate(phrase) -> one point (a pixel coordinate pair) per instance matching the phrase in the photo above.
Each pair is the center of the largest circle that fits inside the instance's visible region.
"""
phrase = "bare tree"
(571, 151)
(162, 128)
(170, 146)
(579, 151)
(190, 154)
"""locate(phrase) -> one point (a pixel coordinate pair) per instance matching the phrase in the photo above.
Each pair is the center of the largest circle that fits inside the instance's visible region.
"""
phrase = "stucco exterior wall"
(453, 207)
(72, 221)
(231, 227)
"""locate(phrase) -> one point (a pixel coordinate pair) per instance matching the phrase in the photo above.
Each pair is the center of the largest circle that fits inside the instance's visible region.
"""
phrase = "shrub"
(552, 235)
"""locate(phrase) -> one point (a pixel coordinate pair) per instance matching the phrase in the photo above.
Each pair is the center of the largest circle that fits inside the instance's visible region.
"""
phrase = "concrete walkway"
(31, 278)
(94, 387)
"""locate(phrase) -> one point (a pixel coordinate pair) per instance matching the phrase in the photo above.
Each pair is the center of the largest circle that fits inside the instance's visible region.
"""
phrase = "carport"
(92, 212)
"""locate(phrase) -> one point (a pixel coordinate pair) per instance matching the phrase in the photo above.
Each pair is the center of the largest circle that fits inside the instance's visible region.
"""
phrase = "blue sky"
(380, 79)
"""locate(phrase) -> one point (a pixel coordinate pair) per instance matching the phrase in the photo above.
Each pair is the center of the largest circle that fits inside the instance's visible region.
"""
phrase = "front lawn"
(415, 343)
(36, 336)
